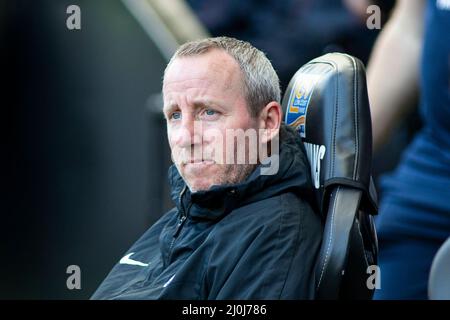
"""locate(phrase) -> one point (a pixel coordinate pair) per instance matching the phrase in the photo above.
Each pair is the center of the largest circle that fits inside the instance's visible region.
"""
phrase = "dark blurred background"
(85, 151)
(80, 169)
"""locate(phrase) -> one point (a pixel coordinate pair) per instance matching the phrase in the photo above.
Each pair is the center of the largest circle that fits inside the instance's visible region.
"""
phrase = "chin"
(202, 183)
(194, 187)
(200, 178)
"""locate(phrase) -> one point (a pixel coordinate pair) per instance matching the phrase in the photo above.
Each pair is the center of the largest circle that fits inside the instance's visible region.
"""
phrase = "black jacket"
(258, 239)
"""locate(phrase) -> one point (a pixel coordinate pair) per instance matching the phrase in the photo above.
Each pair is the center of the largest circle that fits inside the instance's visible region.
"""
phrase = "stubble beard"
(229, 174)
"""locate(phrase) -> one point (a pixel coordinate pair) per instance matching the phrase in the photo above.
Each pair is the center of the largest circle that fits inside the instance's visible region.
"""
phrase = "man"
(238, 231)
(414, 216)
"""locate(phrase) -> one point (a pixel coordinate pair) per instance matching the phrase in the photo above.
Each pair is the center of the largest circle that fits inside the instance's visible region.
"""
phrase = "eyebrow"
(198, 103)
(170, 108)
(201, 103)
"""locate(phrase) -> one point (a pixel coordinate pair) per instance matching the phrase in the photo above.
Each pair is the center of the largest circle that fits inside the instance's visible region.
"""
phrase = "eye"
(209, 114)
(175, 116)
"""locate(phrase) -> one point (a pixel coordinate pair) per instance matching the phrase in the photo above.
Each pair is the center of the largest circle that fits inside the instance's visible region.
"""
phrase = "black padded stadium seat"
(327, 102)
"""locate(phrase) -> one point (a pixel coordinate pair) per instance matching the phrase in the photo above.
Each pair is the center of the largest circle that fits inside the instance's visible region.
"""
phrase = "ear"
(270, 119)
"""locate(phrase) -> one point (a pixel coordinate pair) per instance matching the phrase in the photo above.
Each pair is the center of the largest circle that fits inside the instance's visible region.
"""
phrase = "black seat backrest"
(327, 102)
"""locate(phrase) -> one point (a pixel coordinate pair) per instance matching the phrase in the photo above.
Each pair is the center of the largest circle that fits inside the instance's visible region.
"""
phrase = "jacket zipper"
(181, 221)
(179, 226)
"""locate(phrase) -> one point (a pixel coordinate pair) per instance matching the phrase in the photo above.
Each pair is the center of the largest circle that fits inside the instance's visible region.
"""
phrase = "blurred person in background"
(292, 32)
(412, 55)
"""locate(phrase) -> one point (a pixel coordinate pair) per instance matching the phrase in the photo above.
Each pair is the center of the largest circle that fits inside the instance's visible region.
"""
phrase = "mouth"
(197, 164)
(198, 161)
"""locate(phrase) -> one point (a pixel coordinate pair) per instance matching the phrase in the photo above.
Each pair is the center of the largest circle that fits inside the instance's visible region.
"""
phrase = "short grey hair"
(261, 83)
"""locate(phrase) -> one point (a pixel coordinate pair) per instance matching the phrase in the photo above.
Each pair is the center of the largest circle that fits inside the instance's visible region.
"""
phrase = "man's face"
(205, 92)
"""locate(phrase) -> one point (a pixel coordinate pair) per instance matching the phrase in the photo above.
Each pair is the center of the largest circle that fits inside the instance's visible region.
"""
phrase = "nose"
(188, 133)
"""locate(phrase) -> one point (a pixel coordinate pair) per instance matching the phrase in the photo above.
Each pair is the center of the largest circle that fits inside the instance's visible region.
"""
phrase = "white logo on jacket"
(126, 260)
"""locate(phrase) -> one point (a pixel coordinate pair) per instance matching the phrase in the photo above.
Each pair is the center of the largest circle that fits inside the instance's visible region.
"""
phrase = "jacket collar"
(293, 174)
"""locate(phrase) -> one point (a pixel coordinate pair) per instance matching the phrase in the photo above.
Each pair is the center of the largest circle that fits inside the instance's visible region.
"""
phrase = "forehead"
(213, 68)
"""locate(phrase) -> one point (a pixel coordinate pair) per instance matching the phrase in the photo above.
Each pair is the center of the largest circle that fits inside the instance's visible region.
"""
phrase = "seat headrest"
(327, 103)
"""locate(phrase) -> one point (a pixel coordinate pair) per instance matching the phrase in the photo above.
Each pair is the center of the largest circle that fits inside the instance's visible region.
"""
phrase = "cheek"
(170, 139)
(174, 135)
(213, 135)
(243, 120)
(169, 132)
(172, 142)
